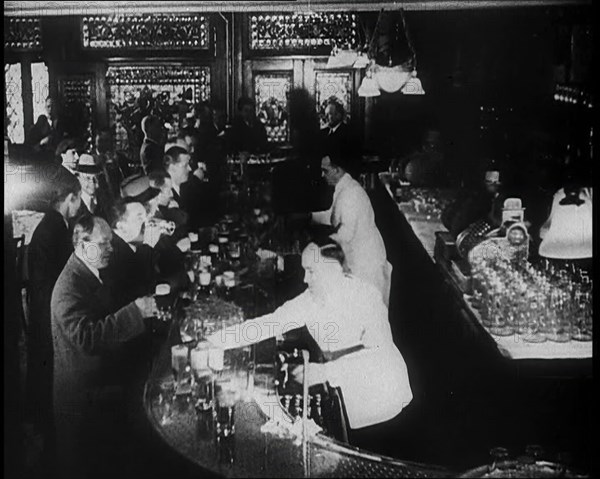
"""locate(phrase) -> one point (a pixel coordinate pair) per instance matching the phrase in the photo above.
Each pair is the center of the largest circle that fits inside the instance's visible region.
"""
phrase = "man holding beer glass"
(92, 357)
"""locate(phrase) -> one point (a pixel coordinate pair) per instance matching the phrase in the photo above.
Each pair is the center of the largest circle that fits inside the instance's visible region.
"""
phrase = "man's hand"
(200, 172)
(184, 245)
(316, 374)
(147, 306)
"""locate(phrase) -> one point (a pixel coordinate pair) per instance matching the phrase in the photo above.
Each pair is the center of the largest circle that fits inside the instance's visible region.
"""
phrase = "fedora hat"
(87, 164)
(137, 188)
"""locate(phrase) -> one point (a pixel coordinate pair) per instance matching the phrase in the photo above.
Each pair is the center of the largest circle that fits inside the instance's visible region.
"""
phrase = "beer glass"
(179, 362)
(162, 296)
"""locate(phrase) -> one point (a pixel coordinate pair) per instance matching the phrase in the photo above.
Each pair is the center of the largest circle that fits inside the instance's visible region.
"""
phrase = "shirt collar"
(334, 128)
(177, 189)
(87, 199)
(93, 269)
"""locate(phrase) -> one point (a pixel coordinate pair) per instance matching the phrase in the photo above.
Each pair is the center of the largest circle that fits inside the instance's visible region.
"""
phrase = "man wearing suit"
(151, 152)
(189, 191)
(47, 131)
(167, 207)
(49, 250)
(164, 252)
(132, 270)
(338, 138)
(91, 337)
(94, 200)
(247, 134)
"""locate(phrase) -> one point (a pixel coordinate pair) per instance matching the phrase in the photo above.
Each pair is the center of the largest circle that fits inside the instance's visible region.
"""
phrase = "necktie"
(330, 131)
(92, 205)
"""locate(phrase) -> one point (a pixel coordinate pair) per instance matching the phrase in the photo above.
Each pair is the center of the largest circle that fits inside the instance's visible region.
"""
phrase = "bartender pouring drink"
(349, 321)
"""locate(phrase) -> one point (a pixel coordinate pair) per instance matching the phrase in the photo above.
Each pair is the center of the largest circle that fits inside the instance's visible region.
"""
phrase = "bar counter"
(258, 453)
(468, 396)
(254, 451)
(465, 379)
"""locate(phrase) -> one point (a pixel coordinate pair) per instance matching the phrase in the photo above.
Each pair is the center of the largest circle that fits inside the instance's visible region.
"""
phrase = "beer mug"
(162, 296)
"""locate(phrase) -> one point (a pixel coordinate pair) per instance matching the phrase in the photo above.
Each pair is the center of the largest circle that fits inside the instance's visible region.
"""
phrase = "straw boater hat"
(137, 188)
(87, 164)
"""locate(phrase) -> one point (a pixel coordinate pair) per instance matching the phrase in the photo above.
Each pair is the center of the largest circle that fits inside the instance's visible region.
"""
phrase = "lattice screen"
(167, 91)
(333, 84)
(15, 128)
(271, 96)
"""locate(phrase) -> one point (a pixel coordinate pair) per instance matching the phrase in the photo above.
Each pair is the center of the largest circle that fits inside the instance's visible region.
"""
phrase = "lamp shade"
(413, 87)
(368, 87)
(362, 61)
(390, 79)
(570, 232)
(342, 59)
(333, 62)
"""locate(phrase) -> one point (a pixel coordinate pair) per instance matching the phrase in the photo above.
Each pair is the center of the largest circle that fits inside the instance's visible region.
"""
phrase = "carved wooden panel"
(22, 33)
(146, 32)
(302, 31)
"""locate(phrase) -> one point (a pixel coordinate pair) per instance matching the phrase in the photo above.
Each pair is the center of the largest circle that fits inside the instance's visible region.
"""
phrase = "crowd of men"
(96, 257)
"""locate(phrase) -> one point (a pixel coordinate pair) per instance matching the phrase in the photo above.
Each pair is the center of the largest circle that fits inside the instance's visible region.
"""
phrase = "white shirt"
(351, 212)
(176, 188)
(87, 199)
(374, 380)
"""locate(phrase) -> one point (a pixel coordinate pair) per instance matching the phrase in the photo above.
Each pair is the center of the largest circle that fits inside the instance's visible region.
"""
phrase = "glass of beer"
(162, 296)
(179, 362)
(202, 390)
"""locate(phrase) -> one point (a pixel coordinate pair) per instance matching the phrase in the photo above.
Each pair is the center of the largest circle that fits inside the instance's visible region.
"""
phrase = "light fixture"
(389, 78)
(368, 87)
(413, 86)
(342, 58)
(362, 61)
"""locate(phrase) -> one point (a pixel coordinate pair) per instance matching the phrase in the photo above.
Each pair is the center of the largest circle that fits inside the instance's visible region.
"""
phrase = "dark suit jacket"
(151, 156)
(102, 209)
(49, 250)
(43, 128)
(198, 201)
(248, 138)
(130, 274)
(90, 336)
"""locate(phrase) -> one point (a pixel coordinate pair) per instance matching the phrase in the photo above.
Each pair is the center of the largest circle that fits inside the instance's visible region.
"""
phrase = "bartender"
(353, 221)
(349, 322)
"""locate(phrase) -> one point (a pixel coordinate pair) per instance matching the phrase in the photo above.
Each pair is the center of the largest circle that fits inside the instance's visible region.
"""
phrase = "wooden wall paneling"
(299, 72)
(219, 81)
(28, 119)
(238, 26)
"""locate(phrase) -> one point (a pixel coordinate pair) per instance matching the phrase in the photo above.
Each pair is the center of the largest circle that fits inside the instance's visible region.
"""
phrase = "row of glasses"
(519, 298)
